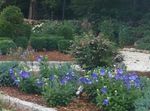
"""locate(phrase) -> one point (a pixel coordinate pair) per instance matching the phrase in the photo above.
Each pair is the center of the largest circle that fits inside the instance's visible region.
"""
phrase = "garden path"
(136, 60)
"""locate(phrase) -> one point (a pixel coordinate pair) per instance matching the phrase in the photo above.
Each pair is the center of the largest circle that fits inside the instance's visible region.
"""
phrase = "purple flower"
(118, 77)
(63, 81)
(104, 90)
(102, 72)
(94, 76)
(24, 74)
(39, 83)
(110, 75)
(119, 71)
(39, 58)
(11, 71)
(133, 77)
(106, 102)
(85, 80)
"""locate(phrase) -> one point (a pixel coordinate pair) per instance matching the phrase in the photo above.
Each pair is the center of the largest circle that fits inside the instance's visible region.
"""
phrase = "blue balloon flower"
(102, 72)
(94, 75)
(106, 102)
(85, 80)
(119, 71)
(104, 90)
(24, 74)
(39, 58)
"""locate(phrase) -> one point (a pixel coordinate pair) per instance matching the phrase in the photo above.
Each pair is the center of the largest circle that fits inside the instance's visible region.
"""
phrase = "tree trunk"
(32, 9)
(63, 9)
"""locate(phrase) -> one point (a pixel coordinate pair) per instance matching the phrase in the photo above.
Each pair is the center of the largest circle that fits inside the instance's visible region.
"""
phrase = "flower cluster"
(18, 75)
(107, 86)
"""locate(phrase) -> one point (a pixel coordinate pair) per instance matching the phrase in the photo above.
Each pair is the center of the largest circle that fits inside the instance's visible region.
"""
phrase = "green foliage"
(6, 45)
(5, 79)
(91, 51)
(112, 91)
(142, 103)
(44, 66)
(65, 29)
(110, 29)
(64, 45)
(60, 82)
(12, 25)
(40, 43)
(12, 14)
(126, 36)
(143, 43)
(29, 86)
(21, 42)
(56, 94)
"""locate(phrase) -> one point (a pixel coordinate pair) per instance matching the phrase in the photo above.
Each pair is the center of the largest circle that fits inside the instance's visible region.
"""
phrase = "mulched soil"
(79, 104)
(52, 56)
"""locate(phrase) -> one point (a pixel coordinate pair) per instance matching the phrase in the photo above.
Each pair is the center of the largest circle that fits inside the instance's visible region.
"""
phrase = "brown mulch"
(52, 56)
(76, 105)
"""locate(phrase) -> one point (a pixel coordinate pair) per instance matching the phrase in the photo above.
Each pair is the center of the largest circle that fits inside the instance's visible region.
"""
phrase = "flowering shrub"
(91, 51)
(44, 67)
(24, 80)
(5, 78)
(112, 91)
(59, 92)
(58, 82)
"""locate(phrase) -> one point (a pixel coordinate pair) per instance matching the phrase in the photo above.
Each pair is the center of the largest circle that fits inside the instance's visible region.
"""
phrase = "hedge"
(41, 43)
(5, 46)
(63, 45)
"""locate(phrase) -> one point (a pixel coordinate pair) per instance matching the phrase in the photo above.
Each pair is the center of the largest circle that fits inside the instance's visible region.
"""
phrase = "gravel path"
(136, 60)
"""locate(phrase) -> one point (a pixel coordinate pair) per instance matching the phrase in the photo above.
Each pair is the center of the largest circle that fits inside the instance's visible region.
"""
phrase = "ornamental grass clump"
(112, 91)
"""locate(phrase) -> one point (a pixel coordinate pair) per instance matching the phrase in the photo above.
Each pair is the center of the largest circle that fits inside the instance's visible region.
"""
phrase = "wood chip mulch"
(79, 104)
(52, 56)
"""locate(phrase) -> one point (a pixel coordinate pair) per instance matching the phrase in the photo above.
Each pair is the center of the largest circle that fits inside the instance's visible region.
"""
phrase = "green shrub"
(38, 43)
(63, 45)
(110, 29)
(12, 25)
(21, 30)
(126, 36)
(5, 78)
(12, 14)
(21, 42)
(48, 43)
(143, 43)
(66, 30)
(91, 51)
(50, 27)
(142, 103)
(112, 91)
(59, 82)
(24, 79)
(57, 94)
(5, 46)
(29, 85)
(4, 38)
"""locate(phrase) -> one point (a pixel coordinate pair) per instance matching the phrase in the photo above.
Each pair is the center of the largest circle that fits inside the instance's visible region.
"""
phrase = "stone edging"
(22, 105)
(135, 50)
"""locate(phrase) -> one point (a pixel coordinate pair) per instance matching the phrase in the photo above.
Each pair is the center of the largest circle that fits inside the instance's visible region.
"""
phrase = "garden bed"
(80, 104)
(52, 56)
